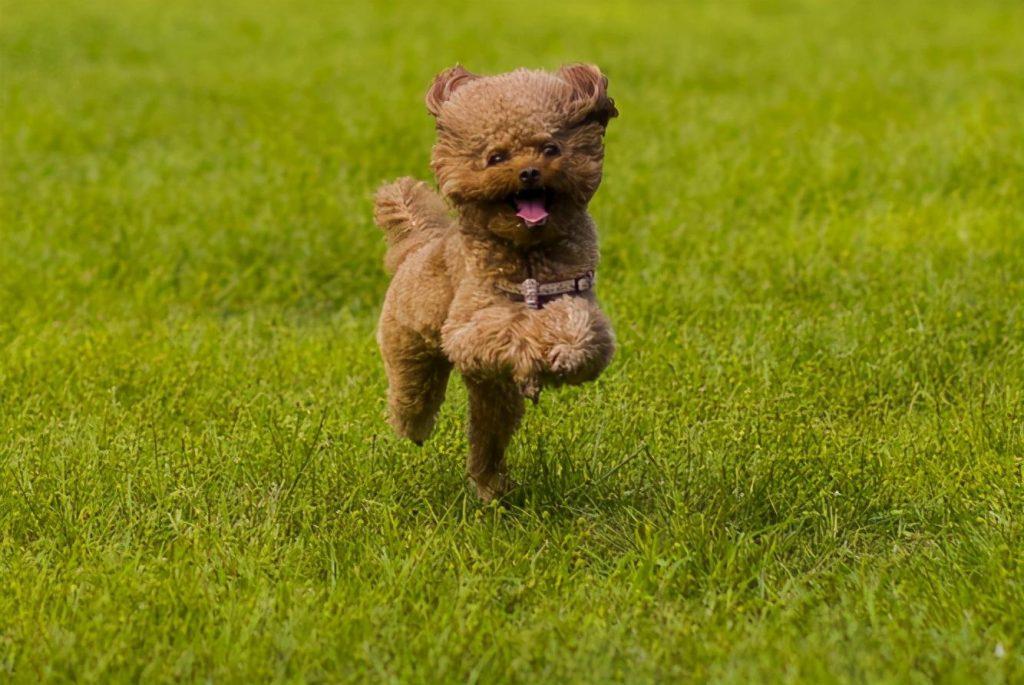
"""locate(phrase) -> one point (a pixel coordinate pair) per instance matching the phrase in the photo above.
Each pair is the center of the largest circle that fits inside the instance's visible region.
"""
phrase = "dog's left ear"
(589, 101)
(444, 85)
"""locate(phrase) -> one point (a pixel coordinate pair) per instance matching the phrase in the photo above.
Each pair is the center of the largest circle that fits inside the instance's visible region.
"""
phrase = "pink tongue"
(531, 211)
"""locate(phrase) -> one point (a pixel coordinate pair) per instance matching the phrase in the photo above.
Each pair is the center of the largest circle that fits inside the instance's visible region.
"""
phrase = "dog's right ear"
(445, 84)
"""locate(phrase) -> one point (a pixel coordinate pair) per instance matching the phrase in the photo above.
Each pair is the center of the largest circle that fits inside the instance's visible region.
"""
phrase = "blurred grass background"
(805, 464)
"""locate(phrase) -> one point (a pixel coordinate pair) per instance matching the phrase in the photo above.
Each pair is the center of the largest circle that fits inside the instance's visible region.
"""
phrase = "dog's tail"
(411, 214)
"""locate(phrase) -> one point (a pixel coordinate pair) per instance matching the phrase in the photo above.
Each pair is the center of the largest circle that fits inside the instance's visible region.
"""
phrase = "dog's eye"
(551, 150)
(496, 158)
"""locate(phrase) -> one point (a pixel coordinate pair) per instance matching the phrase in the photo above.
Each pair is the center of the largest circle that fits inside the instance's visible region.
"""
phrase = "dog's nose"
(529, 175)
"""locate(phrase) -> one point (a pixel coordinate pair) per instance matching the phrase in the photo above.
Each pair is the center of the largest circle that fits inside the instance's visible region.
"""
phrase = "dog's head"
(520, 152)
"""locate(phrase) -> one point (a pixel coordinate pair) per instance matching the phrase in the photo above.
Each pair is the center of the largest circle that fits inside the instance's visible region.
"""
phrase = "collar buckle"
(530, 289)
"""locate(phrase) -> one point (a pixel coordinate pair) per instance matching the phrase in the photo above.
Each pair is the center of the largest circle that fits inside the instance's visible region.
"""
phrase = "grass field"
(804, 465)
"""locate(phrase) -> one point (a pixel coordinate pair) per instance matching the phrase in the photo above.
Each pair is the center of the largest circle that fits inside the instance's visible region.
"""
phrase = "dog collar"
(533, 292)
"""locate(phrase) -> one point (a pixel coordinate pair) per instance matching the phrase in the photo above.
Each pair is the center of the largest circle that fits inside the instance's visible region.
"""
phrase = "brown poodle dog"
(502, 291)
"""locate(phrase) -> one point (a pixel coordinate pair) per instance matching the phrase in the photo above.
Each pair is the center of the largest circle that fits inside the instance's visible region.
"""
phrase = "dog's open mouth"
(531, 206)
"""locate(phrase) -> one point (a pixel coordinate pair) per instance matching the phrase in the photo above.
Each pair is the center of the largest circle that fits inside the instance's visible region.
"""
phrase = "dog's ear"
(444, 85)
(589, 101)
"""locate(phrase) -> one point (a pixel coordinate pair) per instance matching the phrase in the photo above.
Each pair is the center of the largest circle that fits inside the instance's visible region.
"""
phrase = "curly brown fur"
(518, 157)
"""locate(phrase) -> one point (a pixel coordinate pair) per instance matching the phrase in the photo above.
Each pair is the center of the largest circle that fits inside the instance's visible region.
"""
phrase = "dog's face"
(520, 154)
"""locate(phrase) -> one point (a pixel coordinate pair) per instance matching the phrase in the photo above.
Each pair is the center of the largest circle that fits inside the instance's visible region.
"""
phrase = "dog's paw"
(493, 486)
(566, 360)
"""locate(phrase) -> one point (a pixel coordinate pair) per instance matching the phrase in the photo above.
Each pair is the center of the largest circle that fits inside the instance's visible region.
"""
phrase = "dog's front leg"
(495, 409)
(578, 340)
(497, 341)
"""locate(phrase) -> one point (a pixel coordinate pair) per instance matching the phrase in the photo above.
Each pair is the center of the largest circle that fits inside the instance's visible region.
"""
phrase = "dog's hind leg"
(495, 409)
(417, 380)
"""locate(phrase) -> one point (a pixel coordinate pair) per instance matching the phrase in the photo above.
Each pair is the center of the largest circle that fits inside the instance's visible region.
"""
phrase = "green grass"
(804, 465)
